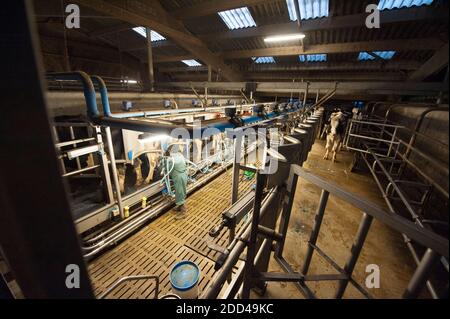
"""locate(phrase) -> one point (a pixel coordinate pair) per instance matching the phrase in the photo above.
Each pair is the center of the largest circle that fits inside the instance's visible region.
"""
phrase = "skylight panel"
(191, 62)
(313, 58)
(237, 18)
(397, 4)
(264, 60)
(309, 9)
(385, 55)
(155, 35)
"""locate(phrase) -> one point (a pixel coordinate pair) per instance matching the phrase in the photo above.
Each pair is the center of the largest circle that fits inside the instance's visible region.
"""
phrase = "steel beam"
(37, 233)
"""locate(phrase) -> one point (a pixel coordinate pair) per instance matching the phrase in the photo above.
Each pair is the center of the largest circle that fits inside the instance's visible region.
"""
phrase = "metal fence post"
(360, 238)
(420, 277)
(315, 233)
(251, 246)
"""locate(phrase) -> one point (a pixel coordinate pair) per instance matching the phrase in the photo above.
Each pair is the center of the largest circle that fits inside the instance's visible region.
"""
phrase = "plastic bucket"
(184, 278)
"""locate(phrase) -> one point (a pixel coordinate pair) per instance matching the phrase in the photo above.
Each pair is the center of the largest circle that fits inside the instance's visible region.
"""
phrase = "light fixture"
(286, 37)
(145, 138)
(82, 151)
(129, 81)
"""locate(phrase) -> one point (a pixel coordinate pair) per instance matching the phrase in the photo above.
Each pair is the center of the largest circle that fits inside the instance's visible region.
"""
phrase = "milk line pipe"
(135, 125)
(92, 109)
(107, 108)
(88, 88)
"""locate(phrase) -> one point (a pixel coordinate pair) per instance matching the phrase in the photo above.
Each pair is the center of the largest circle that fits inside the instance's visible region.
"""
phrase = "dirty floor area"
(383, 246)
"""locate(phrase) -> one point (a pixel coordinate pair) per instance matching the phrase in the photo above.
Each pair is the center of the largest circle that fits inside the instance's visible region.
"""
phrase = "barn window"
(191, 62)
(264, 60)
(385, 55)
(237, 18)
(313, 57)
(155, 35)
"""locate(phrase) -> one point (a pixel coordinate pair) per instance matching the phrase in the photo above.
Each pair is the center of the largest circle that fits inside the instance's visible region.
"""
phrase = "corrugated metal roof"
(237, 18)
(309, 9)
(397, 4)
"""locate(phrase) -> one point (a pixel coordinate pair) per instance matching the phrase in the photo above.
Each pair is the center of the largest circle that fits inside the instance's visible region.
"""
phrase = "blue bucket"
(184, 278)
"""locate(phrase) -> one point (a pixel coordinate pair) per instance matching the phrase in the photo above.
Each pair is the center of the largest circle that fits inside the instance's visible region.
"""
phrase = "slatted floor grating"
(165, 241)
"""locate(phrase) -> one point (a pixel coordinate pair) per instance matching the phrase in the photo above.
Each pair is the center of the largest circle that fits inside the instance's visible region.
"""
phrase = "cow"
(143, 170)
(335, 136)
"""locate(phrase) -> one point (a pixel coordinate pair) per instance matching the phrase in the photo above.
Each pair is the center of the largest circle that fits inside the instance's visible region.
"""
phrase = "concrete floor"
(383, 247)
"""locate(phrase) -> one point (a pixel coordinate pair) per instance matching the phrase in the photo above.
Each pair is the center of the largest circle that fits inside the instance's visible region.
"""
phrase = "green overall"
(179, 177)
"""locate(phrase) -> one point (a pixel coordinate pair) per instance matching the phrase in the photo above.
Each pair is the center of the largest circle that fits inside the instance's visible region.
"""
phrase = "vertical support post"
(292, 92)
(66, 49)
(287, 210)
(420, 277)
(112, 158)
(350, 129)
(62, 166)
(236, 168)
(305, 98)
(104, 164)
(360, 238)
(151, 74)
(317, 95)
(249, 268)
(209, 73)
(72, 136)
(316, 230)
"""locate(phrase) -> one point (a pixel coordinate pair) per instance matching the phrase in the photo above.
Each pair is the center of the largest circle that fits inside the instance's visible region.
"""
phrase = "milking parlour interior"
(218, 149)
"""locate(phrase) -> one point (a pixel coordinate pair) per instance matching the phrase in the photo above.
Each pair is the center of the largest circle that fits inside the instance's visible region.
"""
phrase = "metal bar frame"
(437, 245)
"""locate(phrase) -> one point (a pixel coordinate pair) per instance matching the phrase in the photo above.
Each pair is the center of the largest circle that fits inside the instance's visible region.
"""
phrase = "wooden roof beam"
(436, 63)
(386, 45)
(152, 15)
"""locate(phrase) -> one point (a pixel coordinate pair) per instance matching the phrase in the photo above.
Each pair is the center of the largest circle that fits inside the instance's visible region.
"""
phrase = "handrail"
(424, 237)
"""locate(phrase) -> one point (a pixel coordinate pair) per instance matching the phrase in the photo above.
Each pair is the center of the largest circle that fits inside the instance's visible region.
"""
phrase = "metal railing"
(436, 246)
(388, 157)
